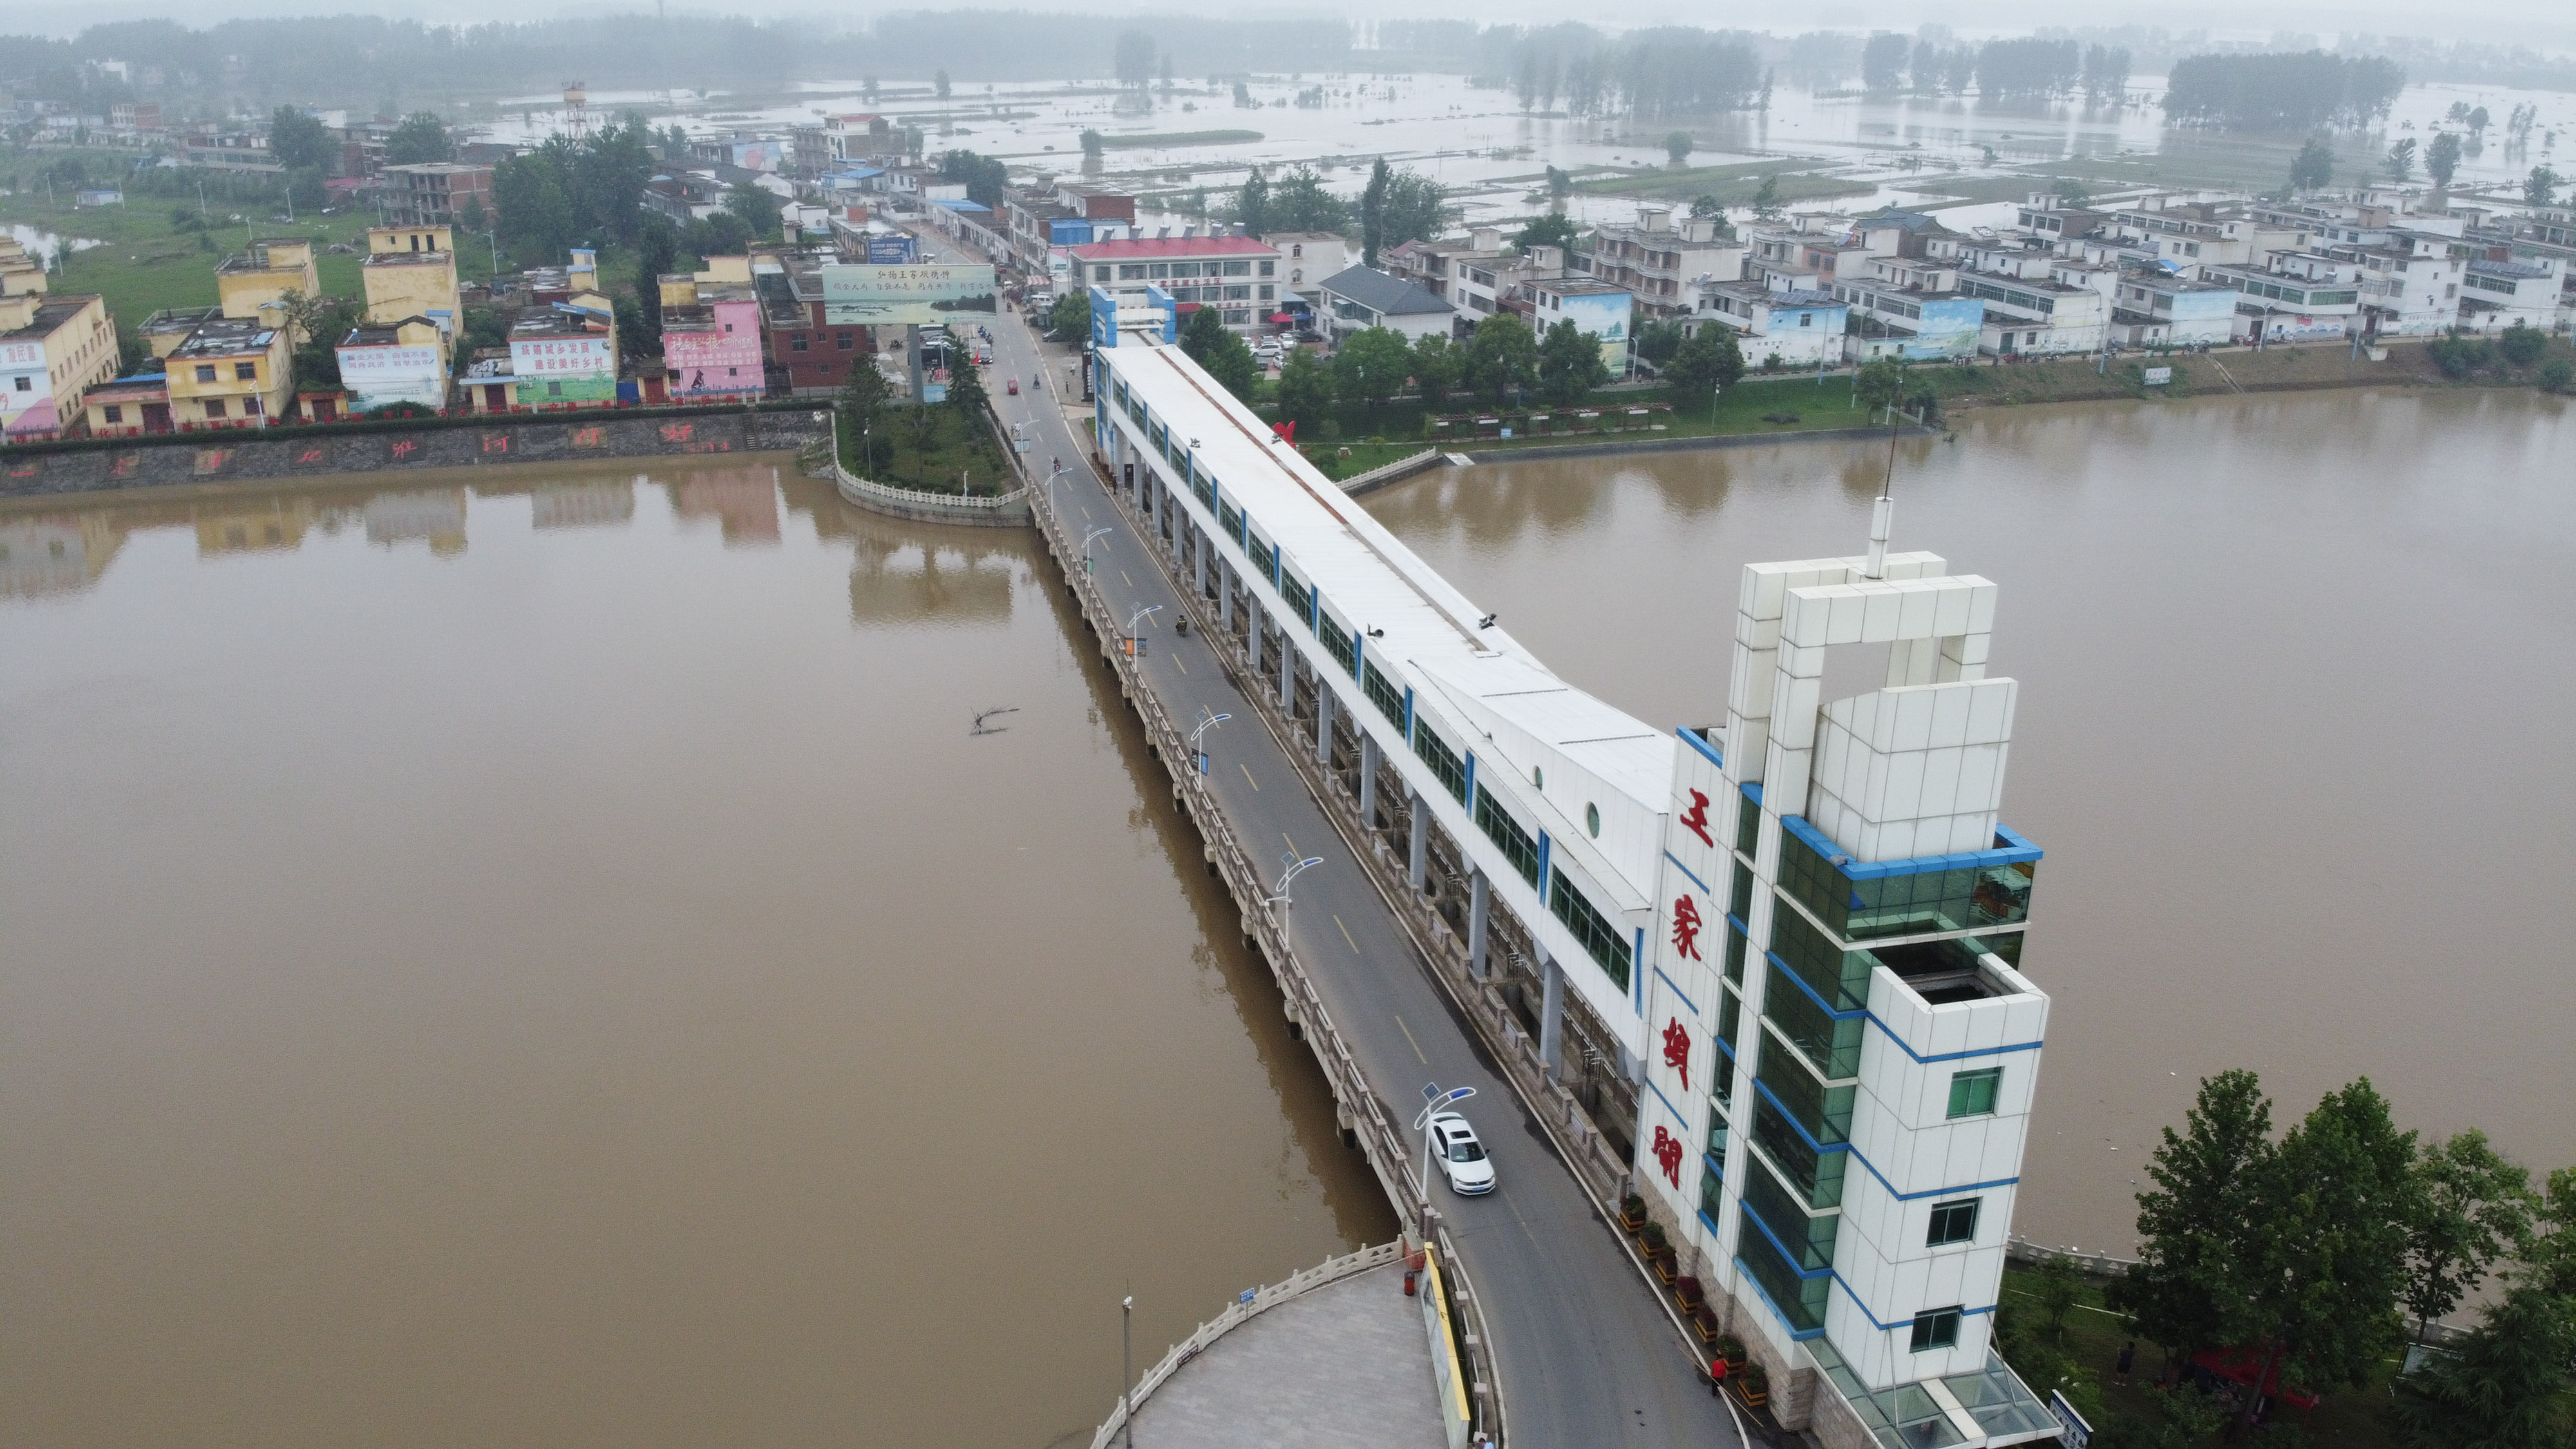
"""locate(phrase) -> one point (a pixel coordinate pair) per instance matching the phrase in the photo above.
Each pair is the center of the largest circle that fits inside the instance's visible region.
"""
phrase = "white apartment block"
(1662, 263)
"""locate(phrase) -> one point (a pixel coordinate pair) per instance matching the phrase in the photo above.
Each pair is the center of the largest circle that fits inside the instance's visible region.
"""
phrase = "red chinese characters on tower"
(1677, 1049)
(1686, 926)
(1668, 1156)
(1695, 819)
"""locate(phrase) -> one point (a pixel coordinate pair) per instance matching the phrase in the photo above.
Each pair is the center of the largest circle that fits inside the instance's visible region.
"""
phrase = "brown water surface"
(2296, 674)
(539, 959)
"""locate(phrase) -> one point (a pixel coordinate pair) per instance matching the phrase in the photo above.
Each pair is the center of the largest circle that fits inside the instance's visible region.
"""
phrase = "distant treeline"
(2282, 92)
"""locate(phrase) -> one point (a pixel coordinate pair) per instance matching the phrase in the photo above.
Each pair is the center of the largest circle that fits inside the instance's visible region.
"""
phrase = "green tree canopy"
(421, 137)
(297, 140)
(986, 177)
(2473, 1207)
(1501, 358)
(2442, 158)
(1202, 334)
(2540, 188)
(1658, 341)
(1678, 145)
(1879, 383)
(758, 206)
(2197, 1246)
(1709, 358)
(966, 388)
(1570, 364)
(1372, 365)
(1232, 364)
(1093, 143)
(2401, 161)
(2506, 1385)
(1305, 388)
(1555, 229)
(1299, 202)
(657, 251)
(1252, 204)
(1373, 211)
(1435, 369)
(2313, 168)
(1071, 316)
(1133, 59)
(939, 82)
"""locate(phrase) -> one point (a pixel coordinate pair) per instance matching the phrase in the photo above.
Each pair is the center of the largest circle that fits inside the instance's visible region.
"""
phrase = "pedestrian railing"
(1242, 1310)
(1360, 1110)
(1385, 473)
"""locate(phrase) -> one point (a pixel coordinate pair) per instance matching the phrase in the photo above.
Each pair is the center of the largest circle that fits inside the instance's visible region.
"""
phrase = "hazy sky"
(2544, 24)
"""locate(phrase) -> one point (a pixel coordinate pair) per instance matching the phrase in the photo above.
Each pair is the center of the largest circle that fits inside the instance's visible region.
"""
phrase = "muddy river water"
(527, 958)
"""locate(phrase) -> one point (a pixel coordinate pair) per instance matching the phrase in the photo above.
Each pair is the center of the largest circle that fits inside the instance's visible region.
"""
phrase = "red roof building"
(1234, 274)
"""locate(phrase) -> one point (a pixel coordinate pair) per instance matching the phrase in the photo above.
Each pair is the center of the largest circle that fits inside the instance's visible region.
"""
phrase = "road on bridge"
(1586, 1353)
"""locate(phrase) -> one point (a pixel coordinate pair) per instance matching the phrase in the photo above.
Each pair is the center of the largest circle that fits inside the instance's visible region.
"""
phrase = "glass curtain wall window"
(1601, 940)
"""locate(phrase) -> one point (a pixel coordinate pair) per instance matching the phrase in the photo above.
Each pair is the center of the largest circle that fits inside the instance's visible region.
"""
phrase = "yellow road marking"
(1247, 775)
(1346, 935)
(1409, 1041)
(1292, 845)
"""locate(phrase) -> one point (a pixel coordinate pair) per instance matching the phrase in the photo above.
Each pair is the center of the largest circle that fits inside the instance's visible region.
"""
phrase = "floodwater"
(540, 958)
(2296, 674)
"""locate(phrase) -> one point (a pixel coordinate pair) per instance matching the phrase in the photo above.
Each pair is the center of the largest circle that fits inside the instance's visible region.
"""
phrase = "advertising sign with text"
(905, 296)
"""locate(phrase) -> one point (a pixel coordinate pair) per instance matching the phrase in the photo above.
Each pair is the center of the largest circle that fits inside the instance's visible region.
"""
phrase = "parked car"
(1015, 387)
(1462, 1158)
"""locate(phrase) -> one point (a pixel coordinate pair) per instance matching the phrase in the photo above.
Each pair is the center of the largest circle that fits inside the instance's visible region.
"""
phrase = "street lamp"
(1127, 1366)
(1294, 869)
(1135, 645)
(1086, 546)
(1207, 721)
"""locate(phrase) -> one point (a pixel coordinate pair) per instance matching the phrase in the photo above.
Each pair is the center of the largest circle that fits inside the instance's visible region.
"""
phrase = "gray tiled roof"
(1387, 296)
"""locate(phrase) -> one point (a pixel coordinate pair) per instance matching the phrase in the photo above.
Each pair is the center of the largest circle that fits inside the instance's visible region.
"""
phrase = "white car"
(1462, 1158)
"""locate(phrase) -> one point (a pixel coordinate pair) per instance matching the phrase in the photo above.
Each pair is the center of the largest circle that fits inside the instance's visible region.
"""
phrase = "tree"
(1071, 316)
(1879, 383)
(2540, 188)
(1373, 211)
(1253, 204)
(1570, 364)
(1677, 145)
(966, 389)
(1300, 203)
(1372, 366)
(1202, 334)
(1435, 369)
(1501, 358)
(2401, 161)
(1882, 60)
(865, 394)
(758, 206)
(1552, 230)
(2442, 159)
(2522, 346)
(1093, 143)
(2195, 1227)
(986, 177)
(939, 84)
(1766, 198)
(421, 137)
(1305, 388)
(2473, 1207)
(1658, 341)
(2071, 191)
(298, 141)
(2313, 167)
(2506, 1385)
(1710, 358)
(2329, 1267)
(1133, 59)
(1232, 364)
(657, 251)
(1415, 205)
(472, 217)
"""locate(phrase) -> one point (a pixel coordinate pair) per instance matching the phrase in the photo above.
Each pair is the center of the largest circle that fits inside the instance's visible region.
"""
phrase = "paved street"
(1586, 1355)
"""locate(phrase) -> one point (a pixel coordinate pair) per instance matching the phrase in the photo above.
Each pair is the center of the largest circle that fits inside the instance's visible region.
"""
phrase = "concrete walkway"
(1343, 1367)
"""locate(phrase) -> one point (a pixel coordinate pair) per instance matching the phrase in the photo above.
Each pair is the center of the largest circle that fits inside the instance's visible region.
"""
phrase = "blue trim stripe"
(1811, 1274)
(1864, 1014)
(1544, 845)
(2018, 851)
(1796, 1126)
(1469, 804)
(1694, 879)
(1704, 747)
(1678, 1114)
(1675, 988)
(1752, 791)
(1796, 1333)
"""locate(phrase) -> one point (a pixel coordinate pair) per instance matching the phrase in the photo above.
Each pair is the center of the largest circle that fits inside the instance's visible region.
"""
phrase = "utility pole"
(1127, 1366)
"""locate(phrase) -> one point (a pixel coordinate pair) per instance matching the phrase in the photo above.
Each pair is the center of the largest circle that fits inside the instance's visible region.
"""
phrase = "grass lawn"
(936, 450)
(2347, 1418)
(146, 262)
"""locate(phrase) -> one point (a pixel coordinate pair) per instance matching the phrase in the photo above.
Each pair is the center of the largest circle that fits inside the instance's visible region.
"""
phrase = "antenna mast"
(1883, 511)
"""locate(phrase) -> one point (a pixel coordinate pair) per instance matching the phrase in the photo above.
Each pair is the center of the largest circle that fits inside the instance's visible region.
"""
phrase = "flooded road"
(540, 958)
(2296, 675)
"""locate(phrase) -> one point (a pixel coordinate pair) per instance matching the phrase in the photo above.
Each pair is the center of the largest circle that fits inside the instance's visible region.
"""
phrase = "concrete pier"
(1342, 1367)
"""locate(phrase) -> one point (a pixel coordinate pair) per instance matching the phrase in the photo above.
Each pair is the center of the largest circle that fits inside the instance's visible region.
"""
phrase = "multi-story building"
(1776, 326)
(52, 348)
(20, 274)
(410, 271)
(399, 361)
(1358, 298)
(1234, 274)
(1306, 258)
(558, 358)
(1599, 310)
(807, 355)
(711, 340)
(253, 283)
(232, 372)
(2036, 302)
(2507, 291)
(128, 407)
(424, 192)
(2051, 220)
(2158, 308)
(2409, 283)
(165, 330)
(1909, 308)
(1661, 263)
(1048, 220)
(2295, 296)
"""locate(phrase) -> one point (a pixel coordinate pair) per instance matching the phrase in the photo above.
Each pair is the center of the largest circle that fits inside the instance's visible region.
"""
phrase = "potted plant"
(1704, 1321)
(1752, 1385)
(1731, 1348)
(1651, 1238)
(1632, 1213)
(1688, 1291)
(1667, 1264)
